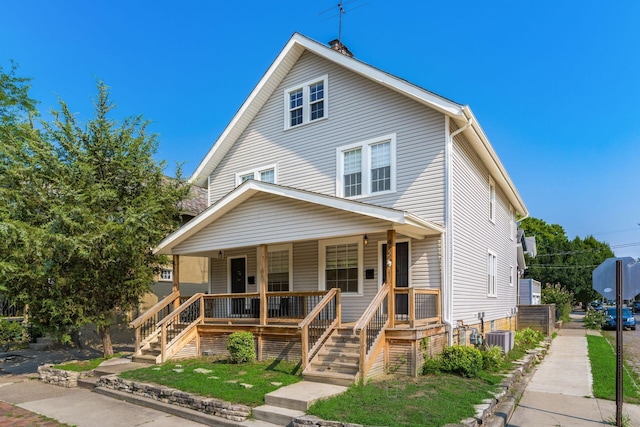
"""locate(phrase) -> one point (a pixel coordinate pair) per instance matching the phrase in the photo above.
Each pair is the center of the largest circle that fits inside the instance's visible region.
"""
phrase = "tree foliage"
(569, 263)
(84, 206)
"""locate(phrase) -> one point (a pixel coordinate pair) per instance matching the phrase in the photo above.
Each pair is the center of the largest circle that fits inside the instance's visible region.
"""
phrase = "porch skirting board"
(272, 346)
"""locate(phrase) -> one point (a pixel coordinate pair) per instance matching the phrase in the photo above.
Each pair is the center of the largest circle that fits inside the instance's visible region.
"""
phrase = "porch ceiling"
(260, 206)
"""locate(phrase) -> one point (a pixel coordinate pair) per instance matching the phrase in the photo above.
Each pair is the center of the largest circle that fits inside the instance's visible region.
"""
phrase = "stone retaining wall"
(50, 375)
(172, 396)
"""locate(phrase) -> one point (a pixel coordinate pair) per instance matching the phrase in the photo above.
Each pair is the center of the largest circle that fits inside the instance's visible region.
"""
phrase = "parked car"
(596, 305)
(628, 321)
(635, 306)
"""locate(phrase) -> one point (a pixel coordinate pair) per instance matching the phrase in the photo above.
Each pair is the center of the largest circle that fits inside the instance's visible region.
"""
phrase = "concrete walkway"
(560, 390)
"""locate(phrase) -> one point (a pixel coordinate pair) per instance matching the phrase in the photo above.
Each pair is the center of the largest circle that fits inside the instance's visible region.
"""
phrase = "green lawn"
(426, 401)
(603, 370)
(244, 383)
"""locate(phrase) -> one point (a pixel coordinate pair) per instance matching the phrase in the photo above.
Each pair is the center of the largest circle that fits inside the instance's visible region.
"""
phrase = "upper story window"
(366, 168)
(264, 174)
(512, 223)
(306, 103)
(492, 200)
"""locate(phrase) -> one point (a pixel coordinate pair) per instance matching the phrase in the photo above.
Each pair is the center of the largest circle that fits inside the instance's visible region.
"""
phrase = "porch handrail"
(146, 319)
(170, 319)
(154, 309)
(323, 328)
(370, 330)
(416, 318)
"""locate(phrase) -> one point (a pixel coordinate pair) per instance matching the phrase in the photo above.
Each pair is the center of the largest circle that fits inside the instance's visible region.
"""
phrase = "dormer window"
(306, 103)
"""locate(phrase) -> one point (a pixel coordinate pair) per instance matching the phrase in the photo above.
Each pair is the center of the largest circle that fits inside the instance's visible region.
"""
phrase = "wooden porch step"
(144, 358)
(339, 356)
(331, 367)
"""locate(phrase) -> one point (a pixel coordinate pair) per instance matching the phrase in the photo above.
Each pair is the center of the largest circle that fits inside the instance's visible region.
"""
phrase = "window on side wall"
(264, 174)
(366, 168)
(306, 102)
(341, 265)
(492, 200)
(492, 272)
(166, 275)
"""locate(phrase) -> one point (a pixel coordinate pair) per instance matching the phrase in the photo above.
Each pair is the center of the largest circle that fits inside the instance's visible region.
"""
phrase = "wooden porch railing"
(317, 325)
(146, 324)
(424, 306)
(370, 329)
(180, 324)
(10, 308)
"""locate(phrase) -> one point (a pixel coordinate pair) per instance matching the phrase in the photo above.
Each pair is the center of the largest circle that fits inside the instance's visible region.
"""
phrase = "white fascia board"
(493, 163)
(251, 187)
(438, 103)
(202, 171)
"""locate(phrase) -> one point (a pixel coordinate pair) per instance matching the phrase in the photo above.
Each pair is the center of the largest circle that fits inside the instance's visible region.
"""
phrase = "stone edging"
(50, 375)
(493, 412)
(173, 396)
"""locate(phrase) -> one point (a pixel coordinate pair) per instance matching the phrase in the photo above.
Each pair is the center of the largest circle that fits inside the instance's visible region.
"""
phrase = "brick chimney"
(339, 47)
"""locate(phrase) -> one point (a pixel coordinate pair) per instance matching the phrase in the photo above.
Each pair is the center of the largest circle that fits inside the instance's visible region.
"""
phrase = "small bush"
(241, 347)
(594, 319)
(432, 365)
(461, 360)
(10, 333)
(492, 358)
(527, 338)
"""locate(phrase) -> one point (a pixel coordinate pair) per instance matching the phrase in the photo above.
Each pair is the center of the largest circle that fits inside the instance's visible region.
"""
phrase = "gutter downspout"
(447, 277)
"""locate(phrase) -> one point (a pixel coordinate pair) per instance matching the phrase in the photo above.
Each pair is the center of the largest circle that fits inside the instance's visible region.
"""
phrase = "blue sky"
(554, 84)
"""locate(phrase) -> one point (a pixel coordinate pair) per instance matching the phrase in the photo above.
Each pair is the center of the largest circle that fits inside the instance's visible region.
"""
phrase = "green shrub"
(461, 360)
(432, 365)
(562, 298)
(10, 333)
(527, 338)
(492, 358)
(241, 347)
(594, 319)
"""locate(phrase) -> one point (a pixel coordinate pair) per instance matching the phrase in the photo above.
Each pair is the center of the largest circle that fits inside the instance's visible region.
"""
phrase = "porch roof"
(402, 221)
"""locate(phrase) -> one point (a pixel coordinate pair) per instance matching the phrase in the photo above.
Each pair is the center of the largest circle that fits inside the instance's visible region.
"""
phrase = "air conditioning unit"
(503, 339)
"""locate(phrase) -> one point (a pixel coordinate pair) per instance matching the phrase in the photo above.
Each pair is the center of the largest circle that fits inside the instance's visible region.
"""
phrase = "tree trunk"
(105, 336)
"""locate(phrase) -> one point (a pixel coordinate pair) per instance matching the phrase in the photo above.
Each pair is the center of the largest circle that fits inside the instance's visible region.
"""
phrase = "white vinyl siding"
(473, 235)
(492, 200)
(360, 110)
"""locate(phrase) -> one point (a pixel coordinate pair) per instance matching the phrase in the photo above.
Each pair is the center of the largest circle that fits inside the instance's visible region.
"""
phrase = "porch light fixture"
(220, 255)
(365, 240)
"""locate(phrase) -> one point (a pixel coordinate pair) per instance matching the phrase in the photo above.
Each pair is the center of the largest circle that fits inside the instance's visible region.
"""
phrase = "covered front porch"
(352, 280)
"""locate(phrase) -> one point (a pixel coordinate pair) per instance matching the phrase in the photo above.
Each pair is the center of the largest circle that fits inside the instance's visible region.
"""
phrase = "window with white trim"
(166, 275)
(492, 273)
(512, 223)
(492, 200)
(280, 269)
(366, 168)
(306, 103)
(264, 174)
(341, 264)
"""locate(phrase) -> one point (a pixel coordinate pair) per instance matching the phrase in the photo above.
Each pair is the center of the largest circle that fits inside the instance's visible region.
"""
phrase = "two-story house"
(355, 221)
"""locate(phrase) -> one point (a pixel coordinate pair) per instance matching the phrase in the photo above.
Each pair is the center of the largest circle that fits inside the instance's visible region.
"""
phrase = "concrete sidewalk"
(560, 390)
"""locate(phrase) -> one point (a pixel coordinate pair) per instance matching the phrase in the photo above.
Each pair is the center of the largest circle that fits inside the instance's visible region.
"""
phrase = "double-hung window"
(492, 273)
(366, 168)
(306, 103)
(492, 200)
(280, 269)
(341, 264)
(166, 275)
(264, 174)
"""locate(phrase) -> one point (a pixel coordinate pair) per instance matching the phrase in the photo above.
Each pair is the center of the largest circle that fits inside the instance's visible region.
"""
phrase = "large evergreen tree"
(89, 202)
